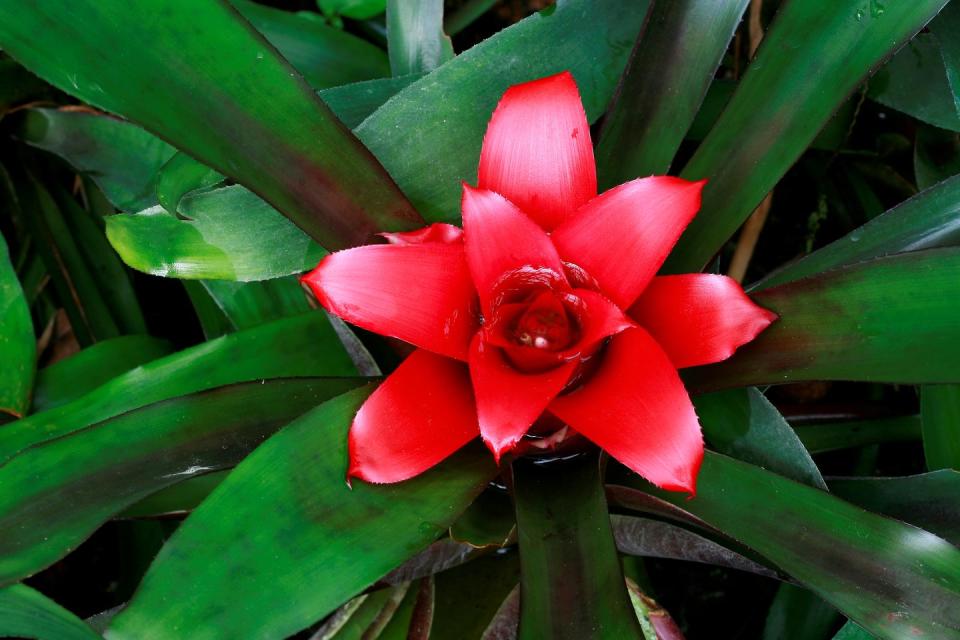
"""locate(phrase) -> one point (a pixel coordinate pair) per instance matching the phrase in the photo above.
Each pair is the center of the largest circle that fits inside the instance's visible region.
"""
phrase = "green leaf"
(302, 346)
(940, 416)
(467, 597)
(743, 424)
(936, 155)
(25, 613)
(353, 103)
(831, 436)
(466, 14)
(179, 176)
(443, 116)
(250, 304)
(797, 614)
(488, 522)
(852, 631)
(81, 373)
(109, 275)
(777, 111)
(915, 82)
(945, 28)
(176, 499)
(887, 320)
(55, 494)
(224, 234)
(415, 37)
(326, 57)
(77, 287)
(375, 611)
(212, 320)
(122, 159)
(234, 104)
(666, 80)
(864, 564)
(572, 584)
(18, 346)
(928, 220)
(927, 500)
(355, 9)
(310, 530)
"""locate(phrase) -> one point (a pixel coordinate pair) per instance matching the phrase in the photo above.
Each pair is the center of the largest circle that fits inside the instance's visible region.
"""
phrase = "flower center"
(545, 324)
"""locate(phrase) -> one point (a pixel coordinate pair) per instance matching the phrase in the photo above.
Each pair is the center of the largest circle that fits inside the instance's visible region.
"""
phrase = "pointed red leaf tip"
(636, 408)
(420, 415)
(623, 236)
(699, 318)
(537, 150)
(419, 293)
(436, 232)
(500, 239)
(508, 401)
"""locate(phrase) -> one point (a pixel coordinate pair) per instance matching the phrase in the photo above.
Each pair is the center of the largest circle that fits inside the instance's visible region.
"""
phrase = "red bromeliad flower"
(545, 304)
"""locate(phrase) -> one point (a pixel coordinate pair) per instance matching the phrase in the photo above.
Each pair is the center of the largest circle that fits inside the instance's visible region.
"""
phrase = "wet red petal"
(699, 318)
(420, 415)
(537, 150)
(636, 409)
(420, 293)
(500, 239)
(623, 236)
(508, 401)
(437, 232)
(599, 319)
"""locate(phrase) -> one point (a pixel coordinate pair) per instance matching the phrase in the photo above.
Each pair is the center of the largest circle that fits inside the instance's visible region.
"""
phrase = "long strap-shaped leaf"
(672, 65)
(283, 541)
(54, 495)
(25, 613)
(894, 579)
(572, 584)
(811, 59)
(305, 345)
(893, 319)
(17, 344)
(199, 76)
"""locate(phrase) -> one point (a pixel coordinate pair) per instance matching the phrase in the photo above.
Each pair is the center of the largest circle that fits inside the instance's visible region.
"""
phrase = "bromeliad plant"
(555, 267)
(244, 149)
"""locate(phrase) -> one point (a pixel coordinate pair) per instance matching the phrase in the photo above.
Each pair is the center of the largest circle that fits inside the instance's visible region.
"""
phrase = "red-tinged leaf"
(420, 293)
(636, 409)
(436, 232)
(699, 318)
(537, 150)
(420, 415)
(509, 401)
(623, 236)
(500, 239)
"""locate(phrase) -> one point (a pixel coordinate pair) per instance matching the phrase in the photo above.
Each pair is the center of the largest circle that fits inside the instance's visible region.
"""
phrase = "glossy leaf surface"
(26, 613)
(250, 304)
(312, 529)
(301, 346)
(443, 116)
(572, 585)
(325, 56)
(670, 70)
(929, 220)
(415, 36)
(777, 111)
(18, 347)
(83, 372)
(860, 322)
(224, 234)
(180, 175)
(54, 495)
(121, 158)
(927, 500)
(241, 108)
(864, 564)
(743, 424)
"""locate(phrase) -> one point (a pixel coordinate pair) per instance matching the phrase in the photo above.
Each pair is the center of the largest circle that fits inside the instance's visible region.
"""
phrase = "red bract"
(521, 315)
